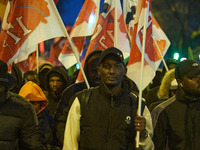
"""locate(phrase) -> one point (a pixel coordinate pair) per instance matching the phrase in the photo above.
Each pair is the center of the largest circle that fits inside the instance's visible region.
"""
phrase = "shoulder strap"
(85, 96)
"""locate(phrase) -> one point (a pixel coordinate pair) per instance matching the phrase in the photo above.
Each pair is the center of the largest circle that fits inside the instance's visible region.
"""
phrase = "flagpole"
(75, 53)
(77, 59)
(141, 75)
(160, 54)
(115, 26)
(37, 58)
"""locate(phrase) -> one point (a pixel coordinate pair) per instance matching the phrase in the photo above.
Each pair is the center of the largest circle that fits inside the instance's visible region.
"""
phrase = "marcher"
(166, 90)
(90, 69)
(151, 95)
(43, 70)
(17, 73)
(56, 81)
(18, 121)
(34, 94)
(176, 121)
(105, 117)
(31, 76)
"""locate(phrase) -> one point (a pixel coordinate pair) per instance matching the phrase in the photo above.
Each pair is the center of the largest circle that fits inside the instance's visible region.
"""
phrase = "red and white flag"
(25, 24)
(152, 57)
(104, 34)
(84, 26)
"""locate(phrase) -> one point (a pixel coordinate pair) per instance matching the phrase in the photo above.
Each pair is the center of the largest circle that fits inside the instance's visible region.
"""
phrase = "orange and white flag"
(84, 26)
(25, 24)
(152, 57)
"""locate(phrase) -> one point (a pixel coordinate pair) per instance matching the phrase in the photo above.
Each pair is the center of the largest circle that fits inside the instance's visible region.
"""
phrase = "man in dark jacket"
(90, 69)
(176, 121)
(56, 81)
(105, 117)
(18, 121)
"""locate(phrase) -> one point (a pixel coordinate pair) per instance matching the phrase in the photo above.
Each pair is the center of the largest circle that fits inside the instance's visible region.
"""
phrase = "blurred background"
(179, 19)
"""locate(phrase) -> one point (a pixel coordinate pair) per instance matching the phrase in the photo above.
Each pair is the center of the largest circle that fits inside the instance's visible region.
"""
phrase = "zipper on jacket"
(110, 122)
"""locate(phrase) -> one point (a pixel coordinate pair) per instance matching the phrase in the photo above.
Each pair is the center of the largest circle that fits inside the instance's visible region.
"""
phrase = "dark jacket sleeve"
(29, 136)
(160, 131)
(61, 113)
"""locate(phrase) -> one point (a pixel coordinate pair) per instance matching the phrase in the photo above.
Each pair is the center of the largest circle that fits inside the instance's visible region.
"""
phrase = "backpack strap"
(84, 99)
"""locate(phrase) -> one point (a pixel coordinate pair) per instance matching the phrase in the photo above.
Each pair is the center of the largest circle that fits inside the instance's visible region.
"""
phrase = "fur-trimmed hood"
(168, 79)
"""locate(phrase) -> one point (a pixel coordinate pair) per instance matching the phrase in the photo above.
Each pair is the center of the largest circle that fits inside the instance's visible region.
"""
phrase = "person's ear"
(180, 82)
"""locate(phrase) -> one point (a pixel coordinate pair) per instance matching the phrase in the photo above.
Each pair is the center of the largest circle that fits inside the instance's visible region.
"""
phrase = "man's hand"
(140, 124)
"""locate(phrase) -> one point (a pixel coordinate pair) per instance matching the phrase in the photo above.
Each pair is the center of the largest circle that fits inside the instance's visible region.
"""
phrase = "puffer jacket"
(33, 93)
(18, 125)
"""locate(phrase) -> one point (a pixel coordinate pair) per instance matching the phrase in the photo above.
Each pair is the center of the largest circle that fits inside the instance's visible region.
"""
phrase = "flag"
(152, 57)
(129, 10)
(103, 36)
(55, 50)
(84, 26)
(25, 24)
(28, 64)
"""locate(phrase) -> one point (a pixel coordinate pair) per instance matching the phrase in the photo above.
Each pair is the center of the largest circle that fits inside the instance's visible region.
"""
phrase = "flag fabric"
(152, 57)
(103, 36)
(25, 24)
(55, 50)
(84, 26)
(129, 10)
(28, 64)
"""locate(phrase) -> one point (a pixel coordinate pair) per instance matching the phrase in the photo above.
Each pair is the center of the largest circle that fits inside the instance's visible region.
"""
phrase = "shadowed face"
(191, 86)
(94, 77)
(55, 84)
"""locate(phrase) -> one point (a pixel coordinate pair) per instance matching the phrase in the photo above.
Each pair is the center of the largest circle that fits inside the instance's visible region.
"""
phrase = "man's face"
(55, 84)
(112, 71)
(94, 77)
(36, 105)
(191, 86)
(32, 78)
(2, 89)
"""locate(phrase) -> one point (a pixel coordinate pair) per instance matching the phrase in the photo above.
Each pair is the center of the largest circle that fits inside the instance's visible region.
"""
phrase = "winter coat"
(176, 123)
(18, 125)
(32, 92)
(104, 122)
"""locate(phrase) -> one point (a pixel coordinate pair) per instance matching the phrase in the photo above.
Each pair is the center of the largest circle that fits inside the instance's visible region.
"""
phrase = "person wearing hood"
(56, 81)
(17, 73)
(43, 70)
(34, 94)
(90, 69)
(18, 120)
(166, 90)
(176, 121)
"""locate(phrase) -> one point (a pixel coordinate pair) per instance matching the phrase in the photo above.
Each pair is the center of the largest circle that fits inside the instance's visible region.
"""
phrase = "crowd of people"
(48, 110)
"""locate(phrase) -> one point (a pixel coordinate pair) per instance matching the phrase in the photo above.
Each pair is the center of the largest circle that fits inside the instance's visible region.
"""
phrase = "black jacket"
(64, 106)
(18, 125)
(176, 122)
(107, 121)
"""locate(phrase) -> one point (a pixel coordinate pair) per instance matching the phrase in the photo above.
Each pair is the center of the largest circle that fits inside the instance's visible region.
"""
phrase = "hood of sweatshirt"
(32, 92)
